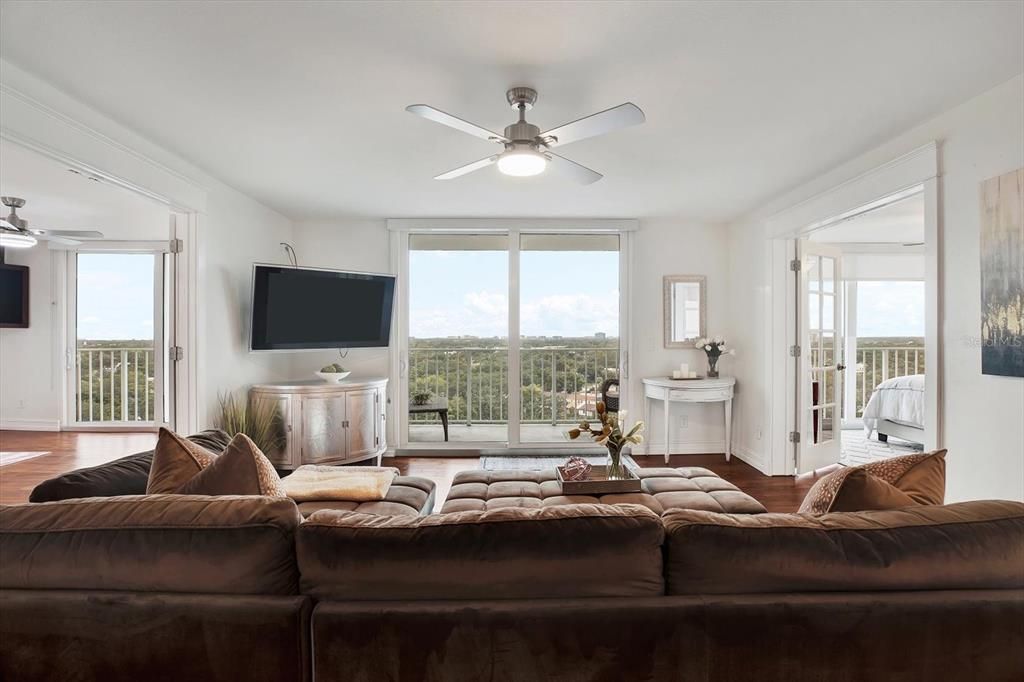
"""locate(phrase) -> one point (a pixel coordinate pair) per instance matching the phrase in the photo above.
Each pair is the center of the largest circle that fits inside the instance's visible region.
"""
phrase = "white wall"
(30, 371)
(983, 416)
(665, 246)
(238, 233)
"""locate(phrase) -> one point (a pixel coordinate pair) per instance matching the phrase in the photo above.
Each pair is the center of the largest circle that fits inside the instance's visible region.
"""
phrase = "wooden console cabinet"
(327, 423)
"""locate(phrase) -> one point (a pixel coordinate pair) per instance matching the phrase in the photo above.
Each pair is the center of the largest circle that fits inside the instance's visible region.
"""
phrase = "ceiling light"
(522, 162)
(16, 241)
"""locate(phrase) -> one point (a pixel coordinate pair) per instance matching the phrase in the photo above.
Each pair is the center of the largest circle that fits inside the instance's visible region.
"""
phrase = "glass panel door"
(568, 331)
(457, 374)
(821, 356)
(117, 345)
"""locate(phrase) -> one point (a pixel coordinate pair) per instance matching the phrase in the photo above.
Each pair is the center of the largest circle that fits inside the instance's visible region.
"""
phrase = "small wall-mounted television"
(13, 295)
(307, 308)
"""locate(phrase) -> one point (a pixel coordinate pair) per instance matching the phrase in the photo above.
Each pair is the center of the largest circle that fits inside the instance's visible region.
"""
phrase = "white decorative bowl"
(333, 377)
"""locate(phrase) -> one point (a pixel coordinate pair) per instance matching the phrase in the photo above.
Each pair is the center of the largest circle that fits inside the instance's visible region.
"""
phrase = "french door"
(508, 336)
(820, 392)
(120, 337)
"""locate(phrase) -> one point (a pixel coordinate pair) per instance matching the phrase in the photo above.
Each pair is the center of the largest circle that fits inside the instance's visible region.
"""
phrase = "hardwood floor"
(67, 450)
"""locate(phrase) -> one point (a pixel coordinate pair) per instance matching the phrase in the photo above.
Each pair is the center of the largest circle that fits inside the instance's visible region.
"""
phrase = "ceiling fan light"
(17, 241)
(522, 162)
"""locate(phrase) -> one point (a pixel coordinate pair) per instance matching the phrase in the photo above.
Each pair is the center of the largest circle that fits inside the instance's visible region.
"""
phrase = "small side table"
(440, 406)
(668, 391)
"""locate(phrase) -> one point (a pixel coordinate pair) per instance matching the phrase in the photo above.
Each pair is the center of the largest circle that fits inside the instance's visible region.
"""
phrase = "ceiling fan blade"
(580, 174)
(56, 239)
(606, 121)
(468, 168)
(438, 116)
(73, 234)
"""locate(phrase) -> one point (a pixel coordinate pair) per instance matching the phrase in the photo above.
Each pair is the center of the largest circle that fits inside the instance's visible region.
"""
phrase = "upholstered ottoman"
(664, 489)
(407, 496)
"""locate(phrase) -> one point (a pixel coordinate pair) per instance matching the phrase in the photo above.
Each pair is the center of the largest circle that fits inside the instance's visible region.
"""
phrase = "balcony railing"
(116, 385)
(558, 385)
(876, 364)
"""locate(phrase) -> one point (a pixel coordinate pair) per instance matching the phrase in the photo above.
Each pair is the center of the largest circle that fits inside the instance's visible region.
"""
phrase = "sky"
(465, 293)
(890, 309)
(115, 296)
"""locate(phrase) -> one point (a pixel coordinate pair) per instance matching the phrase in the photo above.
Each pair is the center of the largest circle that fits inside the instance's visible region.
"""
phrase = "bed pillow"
(921, 476)
(242, 469)
(175, 461)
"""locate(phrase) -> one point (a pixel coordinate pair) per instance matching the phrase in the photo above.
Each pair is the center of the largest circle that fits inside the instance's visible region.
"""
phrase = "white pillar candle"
(676, 374)
(684, 369)
(692, 375)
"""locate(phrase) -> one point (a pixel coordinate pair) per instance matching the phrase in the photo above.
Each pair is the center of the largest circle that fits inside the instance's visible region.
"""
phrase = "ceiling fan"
(527, 150)
(15, 232)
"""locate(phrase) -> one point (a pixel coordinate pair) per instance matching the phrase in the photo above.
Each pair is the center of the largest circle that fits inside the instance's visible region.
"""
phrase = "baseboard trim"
(751, 457)
(30, 424)
(689, 447)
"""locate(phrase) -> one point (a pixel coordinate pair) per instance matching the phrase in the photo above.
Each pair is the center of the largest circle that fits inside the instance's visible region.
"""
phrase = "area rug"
(535, 463)
(856, 448)
(15, 457)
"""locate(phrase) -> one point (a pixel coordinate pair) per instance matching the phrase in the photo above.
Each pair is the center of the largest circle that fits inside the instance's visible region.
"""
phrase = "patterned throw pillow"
(242, 469)
(175, 461)
(921, 478)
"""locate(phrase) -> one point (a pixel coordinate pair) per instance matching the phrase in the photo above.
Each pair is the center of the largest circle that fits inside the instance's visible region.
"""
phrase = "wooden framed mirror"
(685, 306)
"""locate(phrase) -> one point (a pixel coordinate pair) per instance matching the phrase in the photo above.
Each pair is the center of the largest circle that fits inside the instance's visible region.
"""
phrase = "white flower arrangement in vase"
(714, 347)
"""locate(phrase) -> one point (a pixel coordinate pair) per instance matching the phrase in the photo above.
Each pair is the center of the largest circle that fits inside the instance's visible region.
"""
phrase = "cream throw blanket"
(359, 484)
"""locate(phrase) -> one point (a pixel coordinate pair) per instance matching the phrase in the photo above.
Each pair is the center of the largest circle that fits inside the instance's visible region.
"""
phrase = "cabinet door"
(285, 455)
(362, 423)
(323, 429)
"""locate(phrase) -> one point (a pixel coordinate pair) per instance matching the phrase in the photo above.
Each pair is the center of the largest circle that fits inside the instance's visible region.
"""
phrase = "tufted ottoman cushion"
(664, 489)
(407, 496)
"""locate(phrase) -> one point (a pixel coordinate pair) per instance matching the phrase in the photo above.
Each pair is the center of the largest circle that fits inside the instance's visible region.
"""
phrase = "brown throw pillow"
(242, 469)
(175, 461)
(861, 491)
(922, 476)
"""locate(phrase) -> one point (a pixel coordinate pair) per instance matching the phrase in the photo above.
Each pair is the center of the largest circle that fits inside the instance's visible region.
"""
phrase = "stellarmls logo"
(1000, 340)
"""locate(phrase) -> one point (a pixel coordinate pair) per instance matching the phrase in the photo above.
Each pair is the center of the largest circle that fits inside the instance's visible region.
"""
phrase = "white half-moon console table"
(670, 391)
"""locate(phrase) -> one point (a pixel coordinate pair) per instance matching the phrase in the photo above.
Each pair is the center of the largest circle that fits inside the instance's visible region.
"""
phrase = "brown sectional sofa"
(205, 588)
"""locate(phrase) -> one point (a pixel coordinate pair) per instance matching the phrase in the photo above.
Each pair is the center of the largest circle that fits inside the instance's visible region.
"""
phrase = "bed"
(896, 408)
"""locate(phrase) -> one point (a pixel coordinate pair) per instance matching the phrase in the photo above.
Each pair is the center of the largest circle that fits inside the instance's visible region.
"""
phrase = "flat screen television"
(13, 295)
(308, 308)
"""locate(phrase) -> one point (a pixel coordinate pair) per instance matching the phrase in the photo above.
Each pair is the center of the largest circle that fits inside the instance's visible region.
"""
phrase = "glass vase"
(616, 470)
(713, 366)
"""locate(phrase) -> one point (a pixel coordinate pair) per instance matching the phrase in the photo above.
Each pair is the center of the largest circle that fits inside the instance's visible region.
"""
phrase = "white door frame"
(162, 336)
(916, 171)
(400, 229)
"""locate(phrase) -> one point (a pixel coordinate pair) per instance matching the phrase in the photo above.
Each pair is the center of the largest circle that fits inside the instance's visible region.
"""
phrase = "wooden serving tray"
(685, 378)
(597, 483)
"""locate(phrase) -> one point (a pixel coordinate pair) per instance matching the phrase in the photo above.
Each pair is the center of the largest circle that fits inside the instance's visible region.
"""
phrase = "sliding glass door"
(568, 330)
(510, 336)
(457, 378)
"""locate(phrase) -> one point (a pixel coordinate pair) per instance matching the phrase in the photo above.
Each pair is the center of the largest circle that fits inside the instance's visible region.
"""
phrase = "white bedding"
(900, 400)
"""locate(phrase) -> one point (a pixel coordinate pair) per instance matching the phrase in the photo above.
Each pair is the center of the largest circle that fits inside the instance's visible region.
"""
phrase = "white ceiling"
(58, 199)
(300, 104)
(898, 223)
